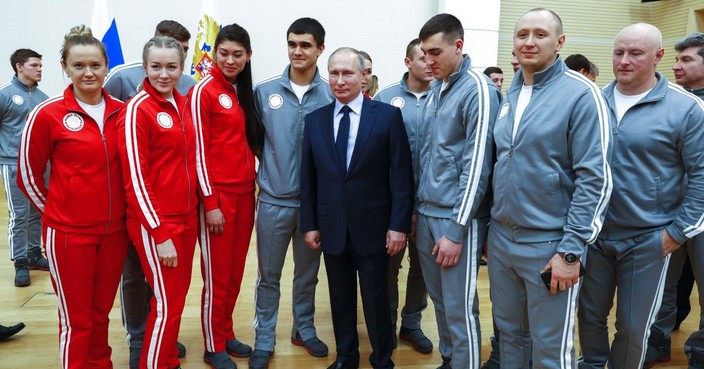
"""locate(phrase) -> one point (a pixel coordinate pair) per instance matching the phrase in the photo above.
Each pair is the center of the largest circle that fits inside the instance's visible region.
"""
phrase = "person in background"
(24, 226)
(367, 76)
(83, 211)
(158, 153)
(496, 75)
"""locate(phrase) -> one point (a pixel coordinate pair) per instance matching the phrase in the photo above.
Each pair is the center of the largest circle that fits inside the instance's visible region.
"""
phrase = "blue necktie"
(343, 135)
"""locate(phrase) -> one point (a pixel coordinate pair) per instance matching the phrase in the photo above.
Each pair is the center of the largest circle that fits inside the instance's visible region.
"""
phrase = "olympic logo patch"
(276, 101)
(164, 120)
(504, 110)
(398, 102)
(225, 101)
(73, 122)
(18, 100)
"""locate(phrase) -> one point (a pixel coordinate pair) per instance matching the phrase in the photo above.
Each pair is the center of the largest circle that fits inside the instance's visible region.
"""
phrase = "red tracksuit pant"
(85, 273)
(170, 286)
(222, 266)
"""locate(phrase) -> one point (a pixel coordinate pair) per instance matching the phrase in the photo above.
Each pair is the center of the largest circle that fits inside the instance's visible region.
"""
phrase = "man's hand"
(313, 239)
(395, 242)
(215, 221)
(564, 276)
(669, 245)
(448, 252)
(167, 253)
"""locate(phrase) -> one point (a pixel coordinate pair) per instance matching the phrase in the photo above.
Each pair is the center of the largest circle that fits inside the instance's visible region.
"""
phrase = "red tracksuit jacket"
(87, 193)
(224, 159)
(157, 148)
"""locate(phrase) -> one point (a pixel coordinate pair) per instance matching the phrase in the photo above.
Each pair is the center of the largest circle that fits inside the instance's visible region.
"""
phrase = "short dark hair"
(412, 45)
(694, 40)
(308, 25)
(489, 70)
(577, 62)
(172, 29)
(447, 24)
(20, 56)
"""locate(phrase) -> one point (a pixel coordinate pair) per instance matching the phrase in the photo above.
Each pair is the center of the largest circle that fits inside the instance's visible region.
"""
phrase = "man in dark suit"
(356, 203)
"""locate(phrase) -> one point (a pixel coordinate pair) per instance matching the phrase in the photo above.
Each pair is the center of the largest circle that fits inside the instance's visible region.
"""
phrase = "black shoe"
(417, 338)
(482, 262)
(314, 346)
(260, 359)
(219, 360)
(238, 349)
(658, 349)
(37, 261)
(445, 364)
(181, 349)
(22, 273)
(341, 365)
(7, 332)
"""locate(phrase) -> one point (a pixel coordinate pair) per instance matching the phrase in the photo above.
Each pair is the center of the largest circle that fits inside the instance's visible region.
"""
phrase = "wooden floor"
(37, 345)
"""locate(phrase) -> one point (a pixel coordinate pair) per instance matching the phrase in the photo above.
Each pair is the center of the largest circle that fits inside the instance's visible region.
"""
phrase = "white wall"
(382, 28)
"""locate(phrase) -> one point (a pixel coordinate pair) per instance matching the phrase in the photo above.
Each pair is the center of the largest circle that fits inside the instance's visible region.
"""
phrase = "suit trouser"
(667, 316)
(222, 264)
(276, 227)
(634, 269)
(170, 286)
(454, 290)
(85, 272)
(519, 296)
(24, 225)
(135, 295)
(342, 272)
(416, 294)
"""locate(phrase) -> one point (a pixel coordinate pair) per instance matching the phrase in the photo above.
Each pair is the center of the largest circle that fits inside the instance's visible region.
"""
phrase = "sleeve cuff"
(676, 234)
(455, 232)
(571, 244)
(211, 202)
(160, 233)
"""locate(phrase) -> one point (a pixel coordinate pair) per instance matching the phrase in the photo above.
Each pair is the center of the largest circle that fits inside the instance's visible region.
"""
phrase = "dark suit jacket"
(373, 196)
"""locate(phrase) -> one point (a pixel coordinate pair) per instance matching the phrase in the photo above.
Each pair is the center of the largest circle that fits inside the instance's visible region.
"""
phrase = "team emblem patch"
(276, 101)
(225, 101)
(504, 110)
(18, 100)
(398, 102)
(73, 122)
(164, 120)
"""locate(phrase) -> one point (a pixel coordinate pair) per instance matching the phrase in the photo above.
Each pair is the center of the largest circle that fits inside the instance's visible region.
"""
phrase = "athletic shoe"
(658, 350)
(445, 364)
(22, 273)
(37, 261)
(314, 346)
(260, 359)
(417, 338)
(238, 349)
(219, 360)
(7, 332)
(181, 349)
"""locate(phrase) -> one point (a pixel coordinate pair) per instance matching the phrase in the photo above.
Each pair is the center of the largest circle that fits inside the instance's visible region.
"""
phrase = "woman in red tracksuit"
(227, 137)
(157, 148)
(83, 214)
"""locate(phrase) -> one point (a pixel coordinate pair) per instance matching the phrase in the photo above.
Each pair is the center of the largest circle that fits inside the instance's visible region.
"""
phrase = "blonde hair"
(80, 35)
(163, 42)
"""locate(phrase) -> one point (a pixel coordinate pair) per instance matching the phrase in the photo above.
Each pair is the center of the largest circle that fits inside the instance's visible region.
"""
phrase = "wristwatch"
(569, 258)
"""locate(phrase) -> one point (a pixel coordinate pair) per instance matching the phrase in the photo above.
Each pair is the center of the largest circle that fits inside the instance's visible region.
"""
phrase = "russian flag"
(105, 29)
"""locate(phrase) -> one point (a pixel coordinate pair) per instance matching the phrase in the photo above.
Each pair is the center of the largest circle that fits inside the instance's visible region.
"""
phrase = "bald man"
(551, 184)
(656, 204)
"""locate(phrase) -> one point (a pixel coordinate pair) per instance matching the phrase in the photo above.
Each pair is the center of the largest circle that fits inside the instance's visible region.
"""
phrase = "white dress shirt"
(355, 114)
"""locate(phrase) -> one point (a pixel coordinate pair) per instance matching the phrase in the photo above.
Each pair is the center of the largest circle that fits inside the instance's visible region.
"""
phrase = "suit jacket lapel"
(366, 122)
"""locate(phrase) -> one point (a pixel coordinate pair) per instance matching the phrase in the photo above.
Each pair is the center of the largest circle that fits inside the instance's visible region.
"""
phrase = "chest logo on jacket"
(276, 101)
(73, 122)
(18, 100)
(164, 120)
(398, 102)
(504, 110)
(225, 101)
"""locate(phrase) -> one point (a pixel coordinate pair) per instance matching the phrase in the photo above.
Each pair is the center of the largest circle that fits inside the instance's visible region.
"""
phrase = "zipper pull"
(510, 151)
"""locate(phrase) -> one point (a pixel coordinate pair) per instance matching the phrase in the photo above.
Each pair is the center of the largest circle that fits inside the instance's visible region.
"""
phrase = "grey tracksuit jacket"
(552, 181)
(658, 185)
(16, 102)
(123, 81)
(456, 151)
(279, 175)
(400, 96)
